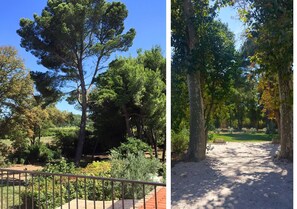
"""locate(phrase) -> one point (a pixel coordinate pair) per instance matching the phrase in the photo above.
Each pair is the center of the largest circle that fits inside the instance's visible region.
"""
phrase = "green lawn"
(243, 137)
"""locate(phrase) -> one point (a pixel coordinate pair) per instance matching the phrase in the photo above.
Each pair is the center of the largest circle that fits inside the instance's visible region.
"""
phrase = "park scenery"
(108, 149)
(232, 104)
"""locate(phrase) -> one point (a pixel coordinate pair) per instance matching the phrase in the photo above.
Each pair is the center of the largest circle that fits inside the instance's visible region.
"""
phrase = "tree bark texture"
(197, 142)
(286, 113)
(83, 122)
(81, 135)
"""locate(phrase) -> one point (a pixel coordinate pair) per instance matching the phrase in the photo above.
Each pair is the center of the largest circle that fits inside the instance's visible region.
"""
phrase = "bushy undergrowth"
(66, 141)
(32, 153)
(125, 163)
(133, 146)
(179, 141)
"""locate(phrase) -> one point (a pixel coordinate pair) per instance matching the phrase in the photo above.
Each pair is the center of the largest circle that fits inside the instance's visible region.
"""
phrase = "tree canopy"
(68, 36)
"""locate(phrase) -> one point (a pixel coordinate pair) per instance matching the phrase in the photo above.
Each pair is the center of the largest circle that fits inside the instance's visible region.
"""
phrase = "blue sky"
(147, 17)
(229, 15)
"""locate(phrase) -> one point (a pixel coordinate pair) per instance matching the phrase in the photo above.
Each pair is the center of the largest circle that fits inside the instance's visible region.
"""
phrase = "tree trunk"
(164, 151)
(83, 121)
(81, 135)
(197, 143)
(127, 121)
(286, 113)
(154, 140)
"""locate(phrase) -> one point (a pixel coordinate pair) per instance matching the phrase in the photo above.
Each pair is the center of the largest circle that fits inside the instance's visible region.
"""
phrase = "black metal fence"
(39, 190)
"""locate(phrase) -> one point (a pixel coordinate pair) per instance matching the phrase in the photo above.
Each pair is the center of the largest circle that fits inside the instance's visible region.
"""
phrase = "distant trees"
(67, 34)
(134, 90)
(16, 90)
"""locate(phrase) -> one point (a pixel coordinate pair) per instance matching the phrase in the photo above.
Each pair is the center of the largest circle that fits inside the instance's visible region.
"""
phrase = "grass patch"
(244, 137)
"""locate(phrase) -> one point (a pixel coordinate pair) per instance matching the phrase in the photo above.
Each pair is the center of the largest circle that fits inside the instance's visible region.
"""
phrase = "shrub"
(134, 167)
(66, 141)
(38, 152)
(210, 136)
(4, 149)
(133, 146)
(180, 141)
(97, 168)
(62, 166)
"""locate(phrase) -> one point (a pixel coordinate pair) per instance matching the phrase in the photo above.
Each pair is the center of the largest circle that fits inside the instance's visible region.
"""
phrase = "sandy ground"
(234, 176)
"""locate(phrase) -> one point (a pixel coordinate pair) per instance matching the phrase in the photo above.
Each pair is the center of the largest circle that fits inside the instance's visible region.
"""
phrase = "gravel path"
(234, 176)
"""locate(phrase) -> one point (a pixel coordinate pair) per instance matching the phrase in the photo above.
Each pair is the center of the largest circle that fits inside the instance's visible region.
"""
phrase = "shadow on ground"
(234, 176)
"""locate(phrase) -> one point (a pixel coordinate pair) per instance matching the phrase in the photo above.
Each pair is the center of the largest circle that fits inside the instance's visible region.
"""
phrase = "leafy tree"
(271, 26)
(200, 48)
(137, 95)
(268, 88)
(16, 89)
(69, 34)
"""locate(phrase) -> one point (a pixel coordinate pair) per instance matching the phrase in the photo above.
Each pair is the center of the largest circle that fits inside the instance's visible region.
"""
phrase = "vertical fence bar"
(32, 199)
(85, 182)
(13, 189)
(39, 191)
(61, 192)
(53, 185)
(19, 190)
(76, 194)
(68, 192)
(143, 195)
(133, 192)
(123, 196)
(2, 189)
(112, 194)
(7, 179)
(7, 188)
(103, 193)
(26, 190)
(46, 202)
(156, 196)
(94, 193)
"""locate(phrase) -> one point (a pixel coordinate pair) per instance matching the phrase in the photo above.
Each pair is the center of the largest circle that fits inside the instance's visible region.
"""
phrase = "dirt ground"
(234, 176)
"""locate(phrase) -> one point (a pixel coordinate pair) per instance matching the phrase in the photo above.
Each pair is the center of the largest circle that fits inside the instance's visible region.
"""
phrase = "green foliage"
(97, 168)
(210, 136)
(132, 146)
(180, 141)
(39, 152)
(16, 89)
(66, 141)
(4, 149)
(134, 167)
(132, 91)
(62, 166)
(32, 153)
(69, 33)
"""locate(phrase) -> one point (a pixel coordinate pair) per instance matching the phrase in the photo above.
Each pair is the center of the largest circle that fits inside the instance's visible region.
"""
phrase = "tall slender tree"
(271, 26)
(70, 35)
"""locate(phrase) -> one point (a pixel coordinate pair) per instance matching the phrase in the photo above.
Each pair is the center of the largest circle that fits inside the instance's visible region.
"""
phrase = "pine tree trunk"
(197, 143)
(83, 121)
(286, 113)
(127, 121)
(81, 135)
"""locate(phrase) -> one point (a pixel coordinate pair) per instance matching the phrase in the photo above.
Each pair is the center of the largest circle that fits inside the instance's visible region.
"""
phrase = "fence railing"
(40, 190)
